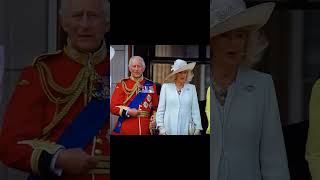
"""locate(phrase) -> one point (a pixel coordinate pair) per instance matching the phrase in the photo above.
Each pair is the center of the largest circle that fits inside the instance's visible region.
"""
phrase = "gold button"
(99, 141)
(98, 151)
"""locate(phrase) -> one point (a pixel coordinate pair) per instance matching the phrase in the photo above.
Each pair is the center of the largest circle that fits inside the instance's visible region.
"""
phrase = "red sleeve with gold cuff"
(23, 123)
(116, 105)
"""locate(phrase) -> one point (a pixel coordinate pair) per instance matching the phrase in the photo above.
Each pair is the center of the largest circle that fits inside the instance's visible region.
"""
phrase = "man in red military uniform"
(47, 129)
(135, 101)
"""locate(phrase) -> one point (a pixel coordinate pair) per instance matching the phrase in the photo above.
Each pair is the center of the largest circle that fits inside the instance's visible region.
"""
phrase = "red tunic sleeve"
(22, 120)
(117, 99)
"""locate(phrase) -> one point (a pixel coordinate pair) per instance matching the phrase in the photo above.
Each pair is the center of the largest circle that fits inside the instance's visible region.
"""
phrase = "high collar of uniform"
(136, 79)
(85, 58)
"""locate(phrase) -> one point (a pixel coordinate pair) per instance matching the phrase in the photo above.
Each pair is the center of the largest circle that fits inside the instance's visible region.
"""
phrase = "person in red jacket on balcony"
(56, 124)
(135, 101)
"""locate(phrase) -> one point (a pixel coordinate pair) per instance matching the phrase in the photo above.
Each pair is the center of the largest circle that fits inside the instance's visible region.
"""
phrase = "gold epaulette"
(44, 56)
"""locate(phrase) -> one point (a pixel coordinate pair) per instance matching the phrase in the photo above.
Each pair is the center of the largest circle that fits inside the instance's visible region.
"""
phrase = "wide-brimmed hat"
(179, 66)
(227, 15)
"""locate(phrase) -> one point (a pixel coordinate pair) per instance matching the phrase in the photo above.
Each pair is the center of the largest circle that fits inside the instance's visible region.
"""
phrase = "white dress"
(175, 111)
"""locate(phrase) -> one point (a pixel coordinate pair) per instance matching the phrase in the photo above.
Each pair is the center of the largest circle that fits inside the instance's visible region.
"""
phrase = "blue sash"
(133, 104)
(87, 124)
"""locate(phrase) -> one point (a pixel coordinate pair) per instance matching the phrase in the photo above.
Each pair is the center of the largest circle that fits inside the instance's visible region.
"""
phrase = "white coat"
(175, 111)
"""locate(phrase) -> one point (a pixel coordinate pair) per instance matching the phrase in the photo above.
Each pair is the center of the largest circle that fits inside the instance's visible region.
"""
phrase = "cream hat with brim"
(227, 15)
(179, 66)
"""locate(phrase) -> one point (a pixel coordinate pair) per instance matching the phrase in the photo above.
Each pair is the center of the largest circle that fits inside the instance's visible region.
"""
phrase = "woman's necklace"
(221, 90)
(221, 93)
(179, 91)
(223, 78)
(179, 88)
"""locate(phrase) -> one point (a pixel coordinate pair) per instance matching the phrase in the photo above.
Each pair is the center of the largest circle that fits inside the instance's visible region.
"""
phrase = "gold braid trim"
(122, 108)
(102, 158)
(44, 56)
(130, 92)
(67, 91)
(39, 146)
(103, 165)
(99, 171)
(35, 161)
(70, 94)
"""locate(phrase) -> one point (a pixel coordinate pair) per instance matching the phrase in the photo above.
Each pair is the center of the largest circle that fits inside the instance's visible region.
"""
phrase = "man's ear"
(64, 24)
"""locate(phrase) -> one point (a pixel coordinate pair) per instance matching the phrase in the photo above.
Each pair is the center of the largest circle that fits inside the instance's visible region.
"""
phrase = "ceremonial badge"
(250, 88)
(101, 88)
(145, 104)
(149, 98)
(147, 89)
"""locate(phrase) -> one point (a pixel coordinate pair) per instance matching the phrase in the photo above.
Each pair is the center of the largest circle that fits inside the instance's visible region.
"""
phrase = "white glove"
(197, 132)
(162, 131)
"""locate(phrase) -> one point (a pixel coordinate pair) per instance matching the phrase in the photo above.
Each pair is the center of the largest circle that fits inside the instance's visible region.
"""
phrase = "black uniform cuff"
(44, 166)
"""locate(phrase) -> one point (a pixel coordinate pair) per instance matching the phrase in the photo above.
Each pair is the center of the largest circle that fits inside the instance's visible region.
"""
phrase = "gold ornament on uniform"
(82, 84)
(101, 86)
(38, 147)
(103, 165)
(24, 82)
(148, 98)
(130, 92)
(145, 104)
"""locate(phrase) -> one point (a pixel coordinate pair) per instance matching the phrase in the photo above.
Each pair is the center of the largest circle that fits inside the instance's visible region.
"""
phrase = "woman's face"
(181, 77)
(230, 47)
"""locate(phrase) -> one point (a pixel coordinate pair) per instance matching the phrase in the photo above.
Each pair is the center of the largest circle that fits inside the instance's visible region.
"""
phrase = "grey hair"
(65, 5)
(256, 46)
(137, 57)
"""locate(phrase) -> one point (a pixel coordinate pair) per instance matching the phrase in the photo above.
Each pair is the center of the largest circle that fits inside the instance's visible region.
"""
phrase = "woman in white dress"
(178, 110)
